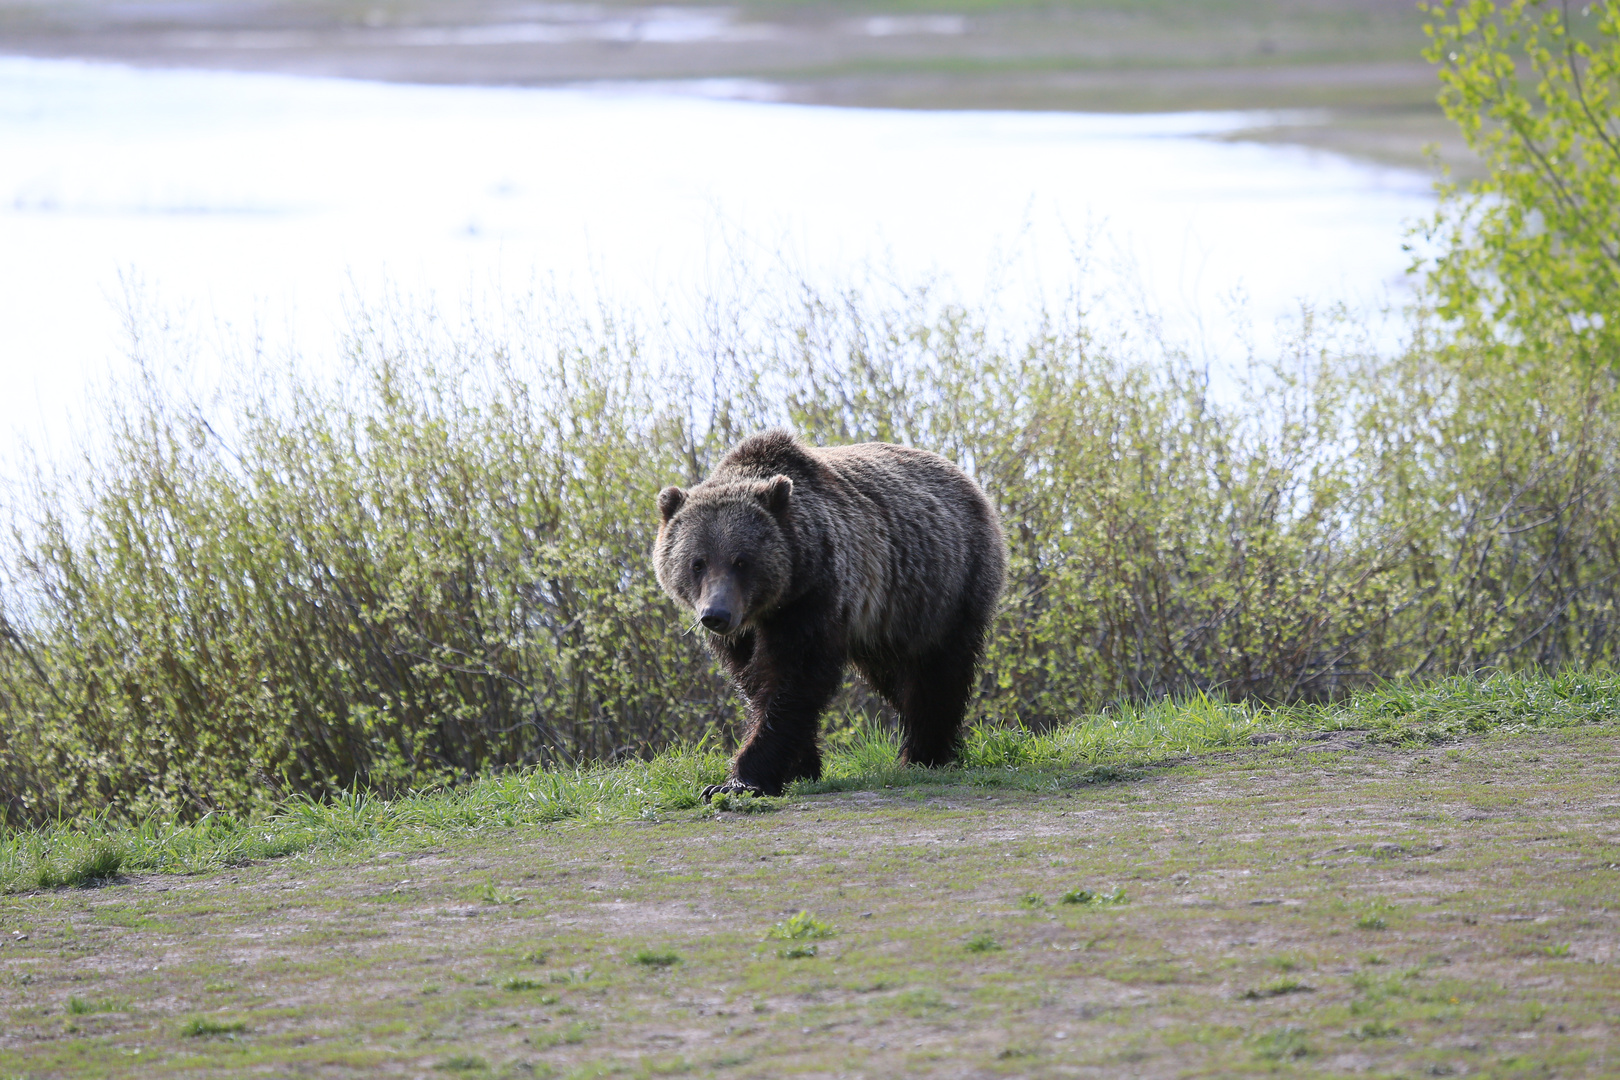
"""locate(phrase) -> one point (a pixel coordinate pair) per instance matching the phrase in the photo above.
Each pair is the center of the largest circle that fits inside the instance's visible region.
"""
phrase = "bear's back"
(911, 542)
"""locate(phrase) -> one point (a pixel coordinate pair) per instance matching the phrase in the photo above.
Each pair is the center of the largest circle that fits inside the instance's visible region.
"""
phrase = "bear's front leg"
(788, 681)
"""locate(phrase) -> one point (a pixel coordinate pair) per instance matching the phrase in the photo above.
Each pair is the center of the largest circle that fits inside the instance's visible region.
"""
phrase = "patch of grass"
(1282, 1045)
(744, 803)
(1090, 749)
(572, 1035)
(921, 1002)
(656, 958)
(1375, 1029)
(200, 1026)
(1087, 898)
(519, 983)
(797, 952)
(981, 943)
(801, 926)
(491, 893)
(1032, 901)
(1376, 916)
(1277, 988)
(463, 1063)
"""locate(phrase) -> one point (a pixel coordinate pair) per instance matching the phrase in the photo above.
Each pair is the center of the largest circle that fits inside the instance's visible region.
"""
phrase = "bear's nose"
(717, 619)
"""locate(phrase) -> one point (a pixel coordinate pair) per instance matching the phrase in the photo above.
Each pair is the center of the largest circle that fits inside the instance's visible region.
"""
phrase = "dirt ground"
(1350, 71)
(1322, 908)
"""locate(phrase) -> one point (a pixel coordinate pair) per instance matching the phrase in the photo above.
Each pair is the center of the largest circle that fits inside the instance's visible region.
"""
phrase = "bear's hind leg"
(934, 693)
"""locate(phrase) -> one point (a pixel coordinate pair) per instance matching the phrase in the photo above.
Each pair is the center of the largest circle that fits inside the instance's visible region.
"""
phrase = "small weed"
(1032, 901)
(572, 1035)
(656, 958)
(535, 956)
(742, 803)
(429, 988)
(78, 1006)
(1371, 959)
(463, 1063)
(218, 988)
(519, 983)
(1375, 1029)
(490, 893)
(1374, 918)
(1556, 950)
(1285, 963)
(920, 1002)
(1087, 898)
(1277, 988)
(982, 943)
(796, 952)
(1282, 1044)
(801, 927)
(199, 1026)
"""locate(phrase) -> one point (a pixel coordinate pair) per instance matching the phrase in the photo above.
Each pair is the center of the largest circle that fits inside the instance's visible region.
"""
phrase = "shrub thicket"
(438, 564)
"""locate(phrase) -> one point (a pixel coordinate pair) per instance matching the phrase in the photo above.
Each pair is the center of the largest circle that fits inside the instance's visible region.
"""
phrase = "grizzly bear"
(798, 560)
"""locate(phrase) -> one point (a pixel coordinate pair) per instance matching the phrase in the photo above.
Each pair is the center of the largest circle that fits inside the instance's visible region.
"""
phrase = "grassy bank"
(1096, 749)
(1305, 907)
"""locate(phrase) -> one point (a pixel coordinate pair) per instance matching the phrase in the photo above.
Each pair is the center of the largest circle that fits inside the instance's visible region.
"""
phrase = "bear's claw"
(732, 787)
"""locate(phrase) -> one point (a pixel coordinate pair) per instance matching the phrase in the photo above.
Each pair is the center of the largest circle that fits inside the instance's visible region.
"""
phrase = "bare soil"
(1316, 908)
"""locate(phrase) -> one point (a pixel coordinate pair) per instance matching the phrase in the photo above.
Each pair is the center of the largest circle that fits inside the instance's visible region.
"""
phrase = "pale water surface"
(264, 200)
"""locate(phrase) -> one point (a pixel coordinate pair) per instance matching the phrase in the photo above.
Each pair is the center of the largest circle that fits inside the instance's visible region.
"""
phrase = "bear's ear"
(669, 501)
(773, 493)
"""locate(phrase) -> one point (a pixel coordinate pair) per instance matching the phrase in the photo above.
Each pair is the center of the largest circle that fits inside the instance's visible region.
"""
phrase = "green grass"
(656, 958)
(1100, 748)
(1237, 954)
(801, 926)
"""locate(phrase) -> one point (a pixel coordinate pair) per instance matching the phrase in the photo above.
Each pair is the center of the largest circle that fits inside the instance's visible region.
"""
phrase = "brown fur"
(799, 561)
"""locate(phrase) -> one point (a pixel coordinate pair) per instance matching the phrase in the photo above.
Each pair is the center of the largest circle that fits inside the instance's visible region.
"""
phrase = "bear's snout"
(716, 618)
(721, 605)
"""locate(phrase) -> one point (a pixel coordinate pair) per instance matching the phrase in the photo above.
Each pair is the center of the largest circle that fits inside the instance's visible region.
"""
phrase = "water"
(243, 200)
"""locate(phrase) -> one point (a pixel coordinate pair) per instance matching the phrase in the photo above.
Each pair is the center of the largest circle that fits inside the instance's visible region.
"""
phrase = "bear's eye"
(697, 567)
(740, 564)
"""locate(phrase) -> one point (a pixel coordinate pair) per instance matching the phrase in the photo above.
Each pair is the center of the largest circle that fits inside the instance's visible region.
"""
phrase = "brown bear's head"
(721, 550)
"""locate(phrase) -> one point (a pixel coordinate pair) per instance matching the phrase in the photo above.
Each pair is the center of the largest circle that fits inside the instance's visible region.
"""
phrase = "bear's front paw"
(732, 787)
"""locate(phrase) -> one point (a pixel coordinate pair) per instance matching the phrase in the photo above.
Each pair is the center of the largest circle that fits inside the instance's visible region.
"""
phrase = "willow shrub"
(438, 564)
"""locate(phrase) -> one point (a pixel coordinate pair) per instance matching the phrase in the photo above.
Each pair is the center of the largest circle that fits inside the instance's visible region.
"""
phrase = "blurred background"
(1348, 72)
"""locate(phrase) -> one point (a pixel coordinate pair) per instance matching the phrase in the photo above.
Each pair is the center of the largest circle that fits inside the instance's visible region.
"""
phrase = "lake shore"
(1348, 74)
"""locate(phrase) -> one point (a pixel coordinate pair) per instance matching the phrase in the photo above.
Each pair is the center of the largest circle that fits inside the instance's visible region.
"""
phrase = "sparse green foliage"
(1376, 916)
(801, 926)
(463, 1063)
(436, 568)
(1277, 988)
(982, 943)
(797, 952)
(1531, 253)
(1087, 898)
(199, 1026)
(1032, 901)
(1282, 1045)
(656, 958)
